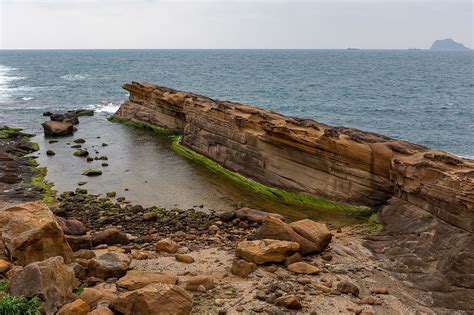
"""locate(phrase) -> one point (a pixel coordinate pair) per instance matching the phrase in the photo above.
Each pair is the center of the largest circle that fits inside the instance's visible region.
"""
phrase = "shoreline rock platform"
(94, 254)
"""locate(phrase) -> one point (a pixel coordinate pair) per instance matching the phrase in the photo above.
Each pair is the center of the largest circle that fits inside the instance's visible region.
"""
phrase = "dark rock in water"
(136, 209)
(92, 172)
(48, 114)
(50, 152)
(76, 146)
(89, 159)
(83, 112)
(447, 44)
(56, 128)
(81, 153)
(53, 141)
(80, 140)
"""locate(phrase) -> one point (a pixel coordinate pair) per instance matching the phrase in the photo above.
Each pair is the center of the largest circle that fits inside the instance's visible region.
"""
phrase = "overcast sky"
(233, 24)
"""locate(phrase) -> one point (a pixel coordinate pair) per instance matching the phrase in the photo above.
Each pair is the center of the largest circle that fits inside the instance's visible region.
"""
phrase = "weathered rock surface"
(317, 233)
(263, 251)
(158, 298)
(433, 189)
(109, 265)
(274, 228)
(303, 267)
(242, 268)
(51, 280)
(30, 233)
(110, 236)
(56, 128)
(135, 279)
(78, 307)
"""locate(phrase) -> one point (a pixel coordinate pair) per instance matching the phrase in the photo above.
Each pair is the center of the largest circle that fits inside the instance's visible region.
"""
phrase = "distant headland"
(447, 44)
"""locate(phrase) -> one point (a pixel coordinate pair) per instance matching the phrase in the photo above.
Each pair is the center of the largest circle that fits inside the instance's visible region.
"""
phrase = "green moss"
(35, 146)
(80, 289)
(372, 225)
(49, 195)
(270, 192)
(92, 172)
(143, 125)
(6, 133)
(18, 305)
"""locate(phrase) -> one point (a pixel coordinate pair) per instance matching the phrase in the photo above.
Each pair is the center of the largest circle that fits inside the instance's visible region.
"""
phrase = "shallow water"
(153, 174)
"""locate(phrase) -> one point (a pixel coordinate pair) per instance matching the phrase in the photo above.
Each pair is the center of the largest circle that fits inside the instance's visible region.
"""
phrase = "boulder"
(187, 259)
(79, 242)
(296, 257)
(166, 245)
(78, 307)
(110, 236)
(99, 294)
(348, 288)
(109, 265)
(50, 279)
(155, 299)
(135, 279)
(242, 268)
(253, 215)
(274, 228)
(263, 251)
(101, 310)
(84, 254)
(193, 283)
(317, 233)
(71, 226)
(5, 266)
(30, 233)
(302, 267)
(289, 301)
(57, 128)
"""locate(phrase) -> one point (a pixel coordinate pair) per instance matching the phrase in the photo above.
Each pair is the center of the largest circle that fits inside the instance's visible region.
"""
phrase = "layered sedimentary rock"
(337, 163)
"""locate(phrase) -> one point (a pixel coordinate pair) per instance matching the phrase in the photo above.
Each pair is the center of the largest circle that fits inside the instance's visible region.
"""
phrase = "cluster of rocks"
(87, 268)
(62, 124)
(16, 168)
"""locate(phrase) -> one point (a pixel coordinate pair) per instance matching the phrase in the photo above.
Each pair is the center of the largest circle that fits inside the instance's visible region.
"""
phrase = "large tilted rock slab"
(155, 299)
(341, 164)
(313, 237)
(50, 280)
(30, 233)
(264, 251)
(303, 155)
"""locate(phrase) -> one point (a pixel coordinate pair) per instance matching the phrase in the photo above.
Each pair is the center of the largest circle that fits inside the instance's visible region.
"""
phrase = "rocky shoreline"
(80, 253)
(99, 255)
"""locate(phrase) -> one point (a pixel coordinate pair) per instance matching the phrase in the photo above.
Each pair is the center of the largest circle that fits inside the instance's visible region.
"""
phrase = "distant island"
(447, 44)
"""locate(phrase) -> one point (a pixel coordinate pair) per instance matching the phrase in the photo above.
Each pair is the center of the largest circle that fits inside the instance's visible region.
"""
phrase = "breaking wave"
(74, 77)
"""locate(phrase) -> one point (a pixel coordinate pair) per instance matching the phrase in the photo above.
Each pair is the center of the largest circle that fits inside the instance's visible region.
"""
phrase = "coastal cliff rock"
(432, 191)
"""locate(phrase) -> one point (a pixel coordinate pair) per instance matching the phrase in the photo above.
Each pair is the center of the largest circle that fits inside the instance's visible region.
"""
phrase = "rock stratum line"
(425, 197)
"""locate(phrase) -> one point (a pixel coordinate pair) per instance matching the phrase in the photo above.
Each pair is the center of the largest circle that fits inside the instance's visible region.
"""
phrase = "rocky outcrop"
(50, 280)
(431, 191)
(31, 233)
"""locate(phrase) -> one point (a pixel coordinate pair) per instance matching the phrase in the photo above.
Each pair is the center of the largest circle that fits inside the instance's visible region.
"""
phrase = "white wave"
(74, 77)
(27, 98)
(7, 76)
(104, 107)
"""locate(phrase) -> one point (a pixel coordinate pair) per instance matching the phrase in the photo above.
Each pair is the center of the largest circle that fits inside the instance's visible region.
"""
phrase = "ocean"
(422, 96)
(426, 97)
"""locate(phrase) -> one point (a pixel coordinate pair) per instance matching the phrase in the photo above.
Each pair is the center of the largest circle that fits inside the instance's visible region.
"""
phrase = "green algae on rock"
(270, 192)
(144, 125)
(92, 172)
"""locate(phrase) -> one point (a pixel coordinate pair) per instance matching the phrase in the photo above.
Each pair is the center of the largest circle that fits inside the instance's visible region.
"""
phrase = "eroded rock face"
(338, 163)
(51, 280)
(264, 251)
(154, 299)
(30, 233)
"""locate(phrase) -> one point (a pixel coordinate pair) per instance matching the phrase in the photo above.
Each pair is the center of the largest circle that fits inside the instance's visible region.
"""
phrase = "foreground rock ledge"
(425, 197)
